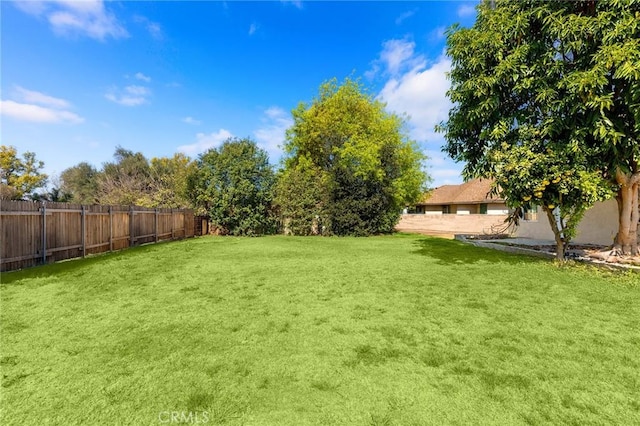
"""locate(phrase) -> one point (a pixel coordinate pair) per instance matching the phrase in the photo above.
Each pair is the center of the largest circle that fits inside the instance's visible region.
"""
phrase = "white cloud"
(437, 34)
(446, 176)
(142, 77)
(396, 53)
(137, 90)
(405, 15)
(48, 109)
(31, 96)
(69, 17)
(35, 8)
(205, 142)
(296, 3)
(131, 95)
(442, 169)
(447, 173)
(370, 74)
(153, 28)
(416, 88)
(191, 120)
(436, 157)
(38, 114)
(271, 135)
(396, 56)
(466, 10)
(421, 94)
(253, 28)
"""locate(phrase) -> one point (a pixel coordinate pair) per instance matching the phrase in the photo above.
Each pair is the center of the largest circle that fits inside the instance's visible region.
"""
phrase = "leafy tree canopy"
(127, 180)
(169, 180)
(349, 167)
(557, 81)
(130, 179)
(19, 177)
(234, 185)
(81, 182)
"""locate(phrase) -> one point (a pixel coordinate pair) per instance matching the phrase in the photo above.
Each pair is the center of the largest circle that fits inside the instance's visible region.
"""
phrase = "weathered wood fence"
(43, 232)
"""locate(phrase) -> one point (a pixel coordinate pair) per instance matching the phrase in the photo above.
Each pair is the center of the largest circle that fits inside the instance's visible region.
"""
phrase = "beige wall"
(500, 209)
(492, 209)
(451, 223)
(464, 209)
(598, 226)
(433, 209)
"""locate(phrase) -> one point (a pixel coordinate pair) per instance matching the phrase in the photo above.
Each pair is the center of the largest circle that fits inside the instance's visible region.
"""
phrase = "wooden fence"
(36, 233)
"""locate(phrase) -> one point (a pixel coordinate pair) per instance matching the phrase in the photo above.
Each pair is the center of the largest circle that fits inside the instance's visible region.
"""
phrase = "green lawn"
(292, 331)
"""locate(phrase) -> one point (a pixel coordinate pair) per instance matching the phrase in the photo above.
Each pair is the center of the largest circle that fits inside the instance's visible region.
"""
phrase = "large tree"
(556, 181)
(350, 163)
(19, 177)
(609, 86)
(127, 180)
(530, 78)
(132, 179)
(300, 194)
(234, 185)
(81, 183)
(169, 180)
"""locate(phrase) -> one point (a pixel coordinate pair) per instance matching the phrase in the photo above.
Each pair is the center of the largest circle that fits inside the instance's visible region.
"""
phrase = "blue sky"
(79, 78)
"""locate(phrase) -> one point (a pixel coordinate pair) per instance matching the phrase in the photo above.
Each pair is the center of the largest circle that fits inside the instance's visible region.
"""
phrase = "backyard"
(400, 329)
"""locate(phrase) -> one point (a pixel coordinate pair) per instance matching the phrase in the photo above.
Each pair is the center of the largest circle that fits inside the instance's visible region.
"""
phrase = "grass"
(293, 331)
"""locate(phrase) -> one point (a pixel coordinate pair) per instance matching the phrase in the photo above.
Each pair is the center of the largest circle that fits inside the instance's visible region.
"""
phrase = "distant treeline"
(349, 169)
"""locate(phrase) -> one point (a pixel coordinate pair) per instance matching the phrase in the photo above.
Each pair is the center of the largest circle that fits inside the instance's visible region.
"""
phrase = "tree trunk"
(557, 233)
(616, 242)
(635, 217)
(626, 241)
(623, 244)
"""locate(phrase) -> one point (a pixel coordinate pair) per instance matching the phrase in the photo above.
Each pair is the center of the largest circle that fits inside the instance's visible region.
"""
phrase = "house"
(469, 208)
(473, 197)
(457, 209)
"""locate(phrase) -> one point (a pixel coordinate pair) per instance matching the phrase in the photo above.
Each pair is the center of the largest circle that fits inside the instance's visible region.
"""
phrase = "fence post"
(131, 227)
(110, 229)
(156, 224)
(83, 219)
(44, 232)
(172, 222)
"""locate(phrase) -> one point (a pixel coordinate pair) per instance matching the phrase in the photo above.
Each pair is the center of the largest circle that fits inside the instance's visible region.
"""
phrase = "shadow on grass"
(72, 265)
(448, 252)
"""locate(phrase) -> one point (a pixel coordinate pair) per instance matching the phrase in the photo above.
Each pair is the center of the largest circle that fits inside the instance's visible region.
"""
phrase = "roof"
(475, 191)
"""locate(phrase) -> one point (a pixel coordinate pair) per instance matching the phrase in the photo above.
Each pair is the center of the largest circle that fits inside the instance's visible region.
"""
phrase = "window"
(483, 209)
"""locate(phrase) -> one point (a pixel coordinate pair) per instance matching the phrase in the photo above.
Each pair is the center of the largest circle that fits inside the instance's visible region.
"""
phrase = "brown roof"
(475, 191)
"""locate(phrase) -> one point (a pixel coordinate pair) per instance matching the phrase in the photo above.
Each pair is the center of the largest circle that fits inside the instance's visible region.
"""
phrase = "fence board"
(34, 233)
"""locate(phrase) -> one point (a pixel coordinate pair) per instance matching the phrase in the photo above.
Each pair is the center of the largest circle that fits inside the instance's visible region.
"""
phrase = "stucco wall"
(451, 223)
(500, 209)
(598, 226)
(493, 209)
(464, 209)
(433, 209)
